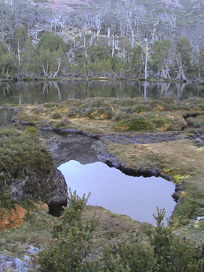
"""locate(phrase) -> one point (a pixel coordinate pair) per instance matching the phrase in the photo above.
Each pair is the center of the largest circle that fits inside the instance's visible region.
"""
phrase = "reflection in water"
(6, 117)
(136, 197)
(38, 92)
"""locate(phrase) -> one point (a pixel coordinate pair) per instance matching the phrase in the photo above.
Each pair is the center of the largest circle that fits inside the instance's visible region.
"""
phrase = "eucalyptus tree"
(183, 57)
(28, 58)
(137, 60)
(201, 62)
(160, 54)
(51, 50)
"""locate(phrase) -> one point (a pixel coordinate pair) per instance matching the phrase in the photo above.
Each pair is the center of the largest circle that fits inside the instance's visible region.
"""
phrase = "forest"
(125, 39)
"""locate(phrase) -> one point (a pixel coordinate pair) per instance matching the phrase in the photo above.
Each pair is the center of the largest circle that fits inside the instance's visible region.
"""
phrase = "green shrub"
(171, 252)
(121, 116)
(165, 253)
(74, 111)
(25, 154)
(30, 130)
(62, 124)
(129, 255)
(101, 113)
(135, 124)
(56, 115)
(142, 108)
(5, 200)
(50, 105)
(70, 246)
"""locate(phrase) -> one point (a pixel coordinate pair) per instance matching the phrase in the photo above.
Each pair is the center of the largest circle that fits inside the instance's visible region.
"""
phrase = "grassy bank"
(127, 118)
(166, 135)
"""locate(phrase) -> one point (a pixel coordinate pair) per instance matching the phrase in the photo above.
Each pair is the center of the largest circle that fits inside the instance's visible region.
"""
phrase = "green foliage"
(25, 154)
(201, 60)
(56, 115)
(8, 64)
(137, 60)
(20, 37)
(51, 42)
(165, 253)
(171, 252)
(5, 200)
(129, 255)
(28, 58)
(62, 124)
(70, 246)
(100, 113)
(135, 124)
(184, 50)
(31, 130)
(98, 54)
(160, 53)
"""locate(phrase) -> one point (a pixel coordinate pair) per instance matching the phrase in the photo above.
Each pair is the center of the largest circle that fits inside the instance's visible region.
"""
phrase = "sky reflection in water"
(136, 197)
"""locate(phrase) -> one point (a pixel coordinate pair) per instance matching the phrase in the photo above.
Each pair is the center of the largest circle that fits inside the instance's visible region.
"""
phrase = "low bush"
(70, 246)
(161, 251)
(165, 253)
(135, 124)
(56, 115)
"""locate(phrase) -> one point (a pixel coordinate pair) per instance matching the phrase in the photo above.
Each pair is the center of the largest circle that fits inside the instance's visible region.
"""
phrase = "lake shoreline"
(47, 79)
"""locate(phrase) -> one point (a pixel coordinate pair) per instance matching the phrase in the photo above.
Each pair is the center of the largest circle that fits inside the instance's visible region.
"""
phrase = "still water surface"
(136, 197)
(38, 92)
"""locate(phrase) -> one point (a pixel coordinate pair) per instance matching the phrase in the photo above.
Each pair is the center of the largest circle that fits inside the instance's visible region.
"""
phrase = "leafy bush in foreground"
(162, 252)
(68, 251)
(165, 253)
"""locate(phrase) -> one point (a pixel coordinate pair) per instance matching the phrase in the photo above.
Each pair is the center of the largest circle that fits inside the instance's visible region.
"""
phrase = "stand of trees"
(51, 58)
(120, 39)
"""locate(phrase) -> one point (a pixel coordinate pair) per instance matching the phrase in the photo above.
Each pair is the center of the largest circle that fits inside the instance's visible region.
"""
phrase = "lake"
(38, 92)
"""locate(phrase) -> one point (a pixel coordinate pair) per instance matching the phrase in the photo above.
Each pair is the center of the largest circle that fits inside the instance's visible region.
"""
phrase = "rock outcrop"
(28, 171)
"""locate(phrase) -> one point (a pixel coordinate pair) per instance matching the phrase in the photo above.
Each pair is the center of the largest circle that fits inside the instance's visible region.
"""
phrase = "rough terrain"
(139, 137)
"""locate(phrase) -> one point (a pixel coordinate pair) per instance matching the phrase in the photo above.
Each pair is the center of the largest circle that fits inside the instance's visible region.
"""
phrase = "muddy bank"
(70, 146)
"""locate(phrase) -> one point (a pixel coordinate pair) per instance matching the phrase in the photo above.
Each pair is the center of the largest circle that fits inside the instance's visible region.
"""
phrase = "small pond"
(136, 197)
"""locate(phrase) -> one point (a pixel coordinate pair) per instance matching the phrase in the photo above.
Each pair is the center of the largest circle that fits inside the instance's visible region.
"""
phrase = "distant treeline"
(52, 58)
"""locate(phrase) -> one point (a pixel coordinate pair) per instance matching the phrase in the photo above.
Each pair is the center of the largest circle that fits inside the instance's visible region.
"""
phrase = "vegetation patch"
(25, 166)
(24, 153)
(136, 124)
(71, 249)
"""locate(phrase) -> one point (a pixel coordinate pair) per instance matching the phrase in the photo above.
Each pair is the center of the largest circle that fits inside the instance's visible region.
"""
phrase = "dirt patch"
(13, 218)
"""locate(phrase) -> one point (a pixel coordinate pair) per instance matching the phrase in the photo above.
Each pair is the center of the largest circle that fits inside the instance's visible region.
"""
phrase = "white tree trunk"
(58, 68)
(19, 54)
(181, 75)
(146, 57)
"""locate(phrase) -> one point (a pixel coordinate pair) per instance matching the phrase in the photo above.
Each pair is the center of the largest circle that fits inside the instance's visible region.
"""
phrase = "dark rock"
(53, 190)
(175, 197)
(58, 198)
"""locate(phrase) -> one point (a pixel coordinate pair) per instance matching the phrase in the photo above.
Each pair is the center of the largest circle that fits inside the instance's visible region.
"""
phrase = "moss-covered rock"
(27, 169)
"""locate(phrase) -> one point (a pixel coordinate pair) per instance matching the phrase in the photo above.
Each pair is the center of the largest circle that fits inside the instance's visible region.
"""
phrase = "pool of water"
(39, 92)
(136, 197)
